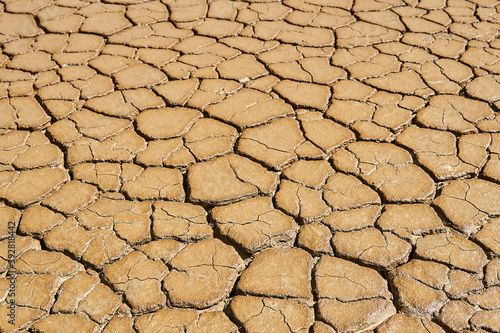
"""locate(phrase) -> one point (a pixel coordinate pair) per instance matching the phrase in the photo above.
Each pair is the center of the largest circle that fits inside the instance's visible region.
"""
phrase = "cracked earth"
(250, 166)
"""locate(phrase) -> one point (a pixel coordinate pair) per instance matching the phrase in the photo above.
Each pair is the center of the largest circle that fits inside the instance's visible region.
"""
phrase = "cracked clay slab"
(288, 166)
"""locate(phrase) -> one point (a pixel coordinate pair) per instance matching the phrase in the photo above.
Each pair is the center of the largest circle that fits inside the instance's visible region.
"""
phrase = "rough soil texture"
(250, 166)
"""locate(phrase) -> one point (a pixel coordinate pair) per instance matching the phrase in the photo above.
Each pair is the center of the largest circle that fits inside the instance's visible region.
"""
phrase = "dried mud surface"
(250, 166)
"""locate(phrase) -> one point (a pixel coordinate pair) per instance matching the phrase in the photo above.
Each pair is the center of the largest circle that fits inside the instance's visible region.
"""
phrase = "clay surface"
(223, 166)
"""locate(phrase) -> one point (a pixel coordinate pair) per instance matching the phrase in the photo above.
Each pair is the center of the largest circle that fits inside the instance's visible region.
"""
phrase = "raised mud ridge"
(311, 166)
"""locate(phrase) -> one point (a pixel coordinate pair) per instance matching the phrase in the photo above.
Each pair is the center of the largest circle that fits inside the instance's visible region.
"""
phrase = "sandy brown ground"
(250, 166)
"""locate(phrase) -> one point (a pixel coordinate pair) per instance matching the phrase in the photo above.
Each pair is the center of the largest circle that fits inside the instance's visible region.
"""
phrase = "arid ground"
(250, 166)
